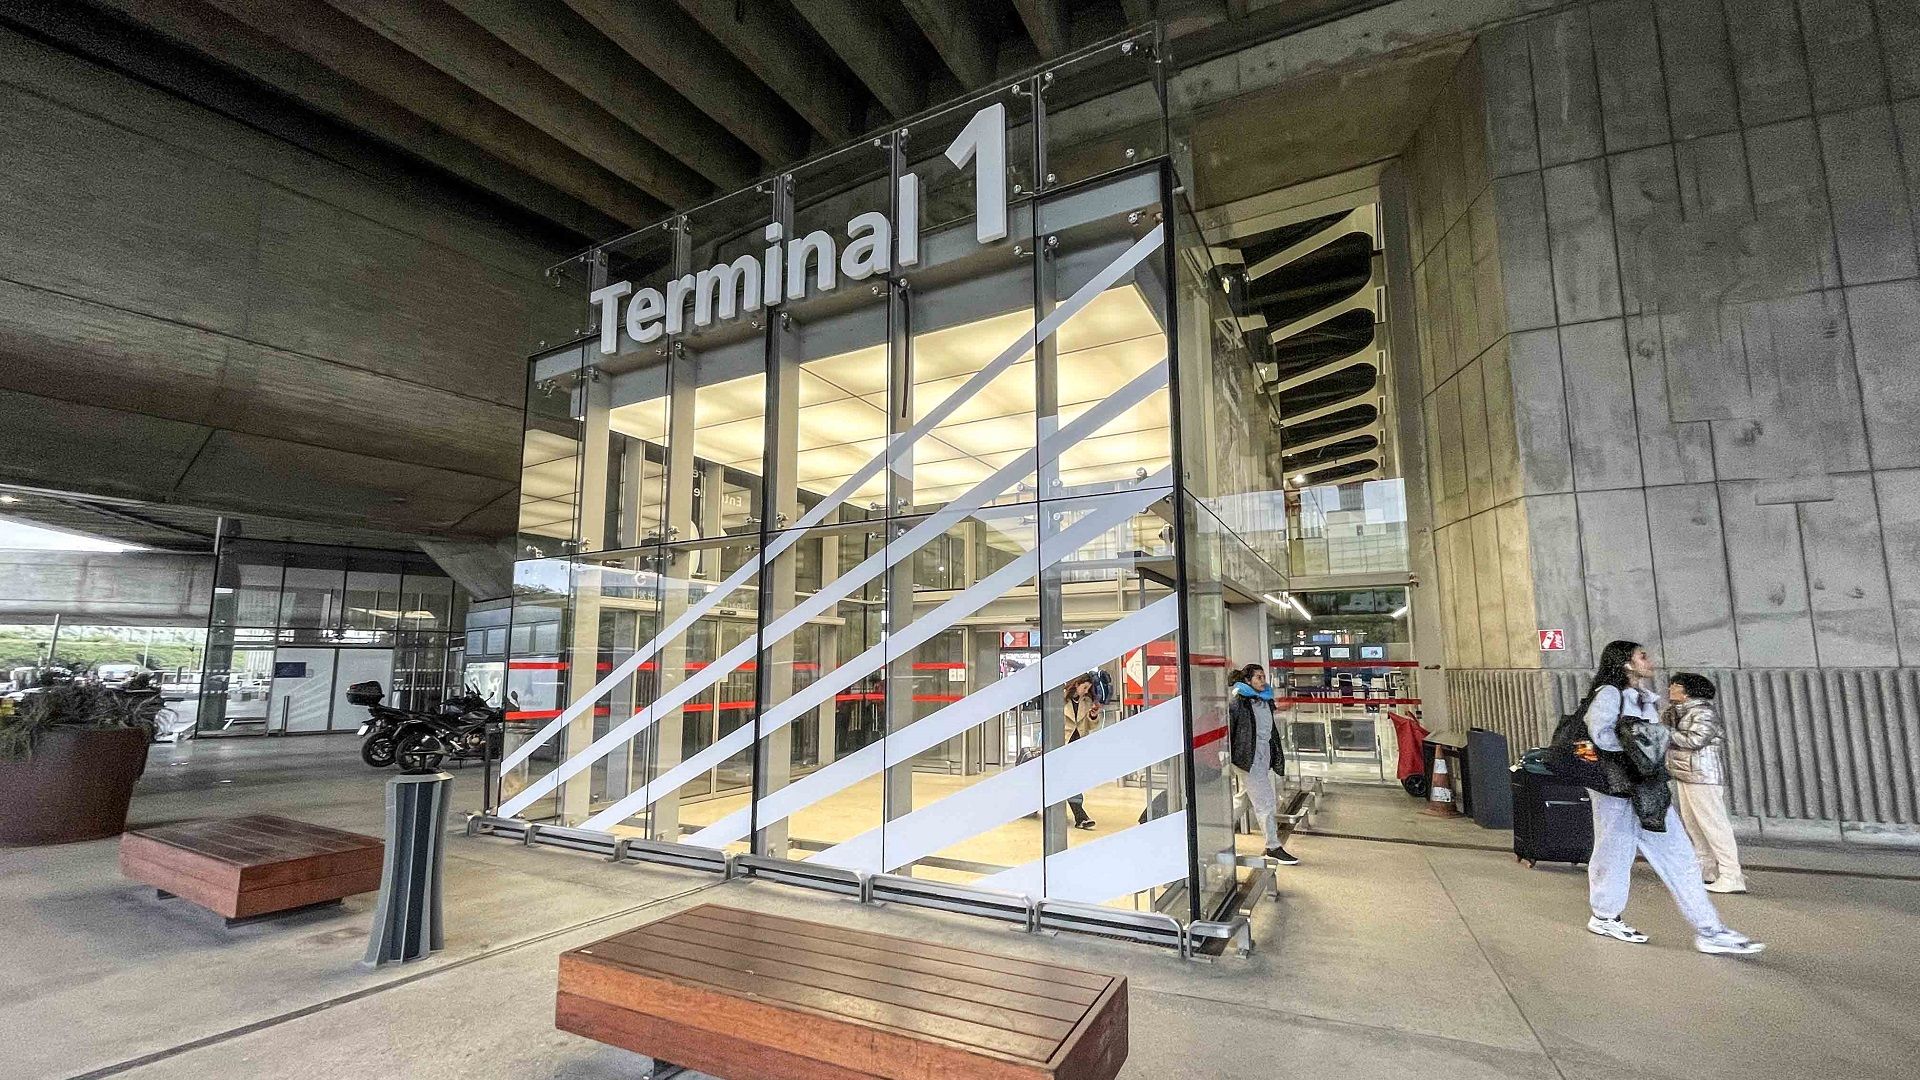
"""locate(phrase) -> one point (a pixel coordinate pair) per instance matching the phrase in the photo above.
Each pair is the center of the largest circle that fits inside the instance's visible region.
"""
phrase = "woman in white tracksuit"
(1619, 690)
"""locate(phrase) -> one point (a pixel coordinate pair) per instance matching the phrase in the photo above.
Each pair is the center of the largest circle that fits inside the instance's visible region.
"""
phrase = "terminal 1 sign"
(795, 266)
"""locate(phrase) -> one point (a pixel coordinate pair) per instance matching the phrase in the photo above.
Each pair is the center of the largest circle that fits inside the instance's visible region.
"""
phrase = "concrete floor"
(1382, 959)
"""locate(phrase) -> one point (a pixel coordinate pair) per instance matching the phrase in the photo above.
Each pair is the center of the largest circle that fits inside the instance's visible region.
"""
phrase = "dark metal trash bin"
(1491, 791)
(407, 923)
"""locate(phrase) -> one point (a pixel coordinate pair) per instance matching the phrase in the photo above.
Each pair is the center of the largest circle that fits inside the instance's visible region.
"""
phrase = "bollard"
(407, 922)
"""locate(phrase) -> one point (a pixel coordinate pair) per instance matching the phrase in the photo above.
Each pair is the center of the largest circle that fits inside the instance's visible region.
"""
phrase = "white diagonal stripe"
(1130, 861)
(1112, 511)
(895, 451)
(1138, 389)
(1153, 621)
(1125, 746)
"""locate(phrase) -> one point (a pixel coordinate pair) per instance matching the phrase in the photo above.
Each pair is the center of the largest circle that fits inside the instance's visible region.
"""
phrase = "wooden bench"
(259, 864)
(748, 996)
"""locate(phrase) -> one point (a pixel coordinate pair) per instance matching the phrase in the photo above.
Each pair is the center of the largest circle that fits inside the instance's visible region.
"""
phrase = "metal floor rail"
(1029, 914)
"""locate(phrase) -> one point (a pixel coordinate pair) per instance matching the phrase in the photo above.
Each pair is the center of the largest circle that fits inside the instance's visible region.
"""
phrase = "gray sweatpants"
(1257, 785)
(1617, 837)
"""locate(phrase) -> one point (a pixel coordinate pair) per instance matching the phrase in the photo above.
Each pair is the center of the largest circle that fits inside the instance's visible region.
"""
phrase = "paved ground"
(1400, 958)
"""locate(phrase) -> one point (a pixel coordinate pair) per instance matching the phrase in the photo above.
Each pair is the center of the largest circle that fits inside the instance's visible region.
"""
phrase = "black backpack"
(1572, 755)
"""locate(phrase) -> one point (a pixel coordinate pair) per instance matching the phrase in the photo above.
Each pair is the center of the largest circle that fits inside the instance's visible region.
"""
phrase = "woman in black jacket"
(1258, 756)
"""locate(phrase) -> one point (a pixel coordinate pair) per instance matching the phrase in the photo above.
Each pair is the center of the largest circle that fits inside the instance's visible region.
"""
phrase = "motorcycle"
(379, 734)
(422, 744)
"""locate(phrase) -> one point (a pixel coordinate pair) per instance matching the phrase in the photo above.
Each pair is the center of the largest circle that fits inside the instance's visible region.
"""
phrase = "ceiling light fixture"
(9, 499)
(1400, 611)
(1299, 607)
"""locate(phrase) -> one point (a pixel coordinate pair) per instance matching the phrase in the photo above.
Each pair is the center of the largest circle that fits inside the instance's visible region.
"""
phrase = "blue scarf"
(1247, 690)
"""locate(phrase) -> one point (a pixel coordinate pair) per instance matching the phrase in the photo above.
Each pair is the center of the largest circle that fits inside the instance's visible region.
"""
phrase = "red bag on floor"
(1413, 762)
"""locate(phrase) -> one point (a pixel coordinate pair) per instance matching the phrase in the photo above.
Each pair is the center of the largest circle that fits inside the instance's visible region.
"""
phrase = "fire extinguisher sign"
(1553, 641)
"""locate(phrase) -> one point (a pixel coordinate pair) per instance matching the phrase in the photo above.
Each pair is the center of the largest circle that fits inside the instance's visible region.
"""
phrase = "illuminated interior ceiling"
(842, 411)
(548, 476)
(1312, 291)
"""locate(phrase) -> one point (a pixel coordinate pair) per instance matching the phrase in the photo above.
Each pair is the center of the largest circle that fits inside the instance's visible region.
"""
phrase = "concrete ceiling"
(599, 115)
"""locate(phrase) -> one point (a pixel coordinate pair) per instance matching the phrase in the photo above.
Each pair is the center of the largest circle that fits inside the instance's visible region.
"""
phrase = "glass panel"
(550, 453)
(247, 593)
(373, 597)
(707, 674)
(1109, 559)
(637, 397)
(1209, 658)
(937, 826)
(971, 321)
(1352, 528)
(311, 591)
(426, 602)
(1104, 416)
(722, 365)
(536, 673)
(1104, 111)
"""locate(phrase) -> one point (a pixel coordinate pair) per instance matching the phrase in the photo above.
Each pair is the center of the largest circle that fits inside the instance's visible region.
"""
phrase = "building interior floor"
(1401, 945)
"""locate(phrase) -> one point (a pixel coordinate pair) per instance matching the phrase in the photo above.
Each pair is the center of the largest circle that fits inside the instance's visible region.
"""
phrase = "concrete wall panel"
(1847, 578)
(1586, 269)
(1515, 553)
(139, 454)
(1466, 314)
(1633, 96)
(1473, 427)
(1503, 445)
(1883, 319)
(1540, 412)
(1899, 498)
(1646, 203)
(1790, 199)
(1770, 67)
(1466, 600)
(1900, 44)
(62, 346)
(1559, 581)
(1690, 568)
(1698, 67)
(1670, 452)
(1490, 584)
(1566, 92)
(1872, 219)
(1770, 607)
(1843, 53)
(1600, 406)
(416, 311)
(1440, 314)
(101, 213)
(1712, 173)
(1526, 256)
(1512, 137)
(1453, 453)
(1622, 601)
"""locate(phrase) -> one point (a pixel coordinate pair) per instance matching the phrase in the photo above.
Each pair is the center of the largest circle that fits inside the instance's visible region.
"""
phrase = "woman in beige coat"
(1696, 760)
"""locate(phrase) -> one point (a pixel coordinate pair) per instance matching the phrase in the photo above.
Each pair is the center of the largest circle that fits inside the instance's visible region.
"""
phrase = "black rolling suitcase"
(1552, 819)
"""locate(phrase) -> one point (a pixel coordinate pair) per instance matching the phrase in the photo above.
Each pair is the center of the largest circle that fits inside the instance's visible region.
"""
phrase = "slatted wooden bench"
(749, 996)
(259, 864)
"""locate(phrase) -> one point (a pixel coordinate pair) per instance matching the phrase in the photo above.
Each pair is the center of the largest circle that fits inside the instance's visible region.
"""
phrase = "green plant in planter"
(86, 706)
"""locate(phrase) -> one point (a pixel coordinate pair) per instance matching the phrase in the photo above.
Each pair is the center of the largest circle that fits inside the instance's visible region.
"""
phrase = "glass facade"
(903, 515)
(293, 625)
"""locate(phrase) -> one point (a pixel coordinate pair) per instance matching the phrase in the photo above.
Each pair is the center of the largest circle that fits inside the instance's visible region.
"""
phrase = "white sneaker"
(1726, 885)
(1616, 930)
(1727, 943)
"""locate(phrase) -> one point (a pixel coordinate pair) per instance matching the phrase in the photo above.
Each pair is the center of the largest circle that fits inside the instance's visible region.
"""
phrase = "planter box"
(76, 786)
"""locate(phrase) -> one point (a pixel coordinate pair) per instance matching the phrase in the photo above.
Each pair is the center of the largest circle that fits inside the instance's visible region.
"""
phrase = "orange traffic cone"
(1440, 793)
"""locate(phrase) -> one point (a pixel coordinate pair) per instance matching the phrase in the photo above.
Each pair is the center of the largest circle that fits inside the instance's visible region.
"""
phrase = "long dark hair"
(1613, 665)
(1244, 674)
